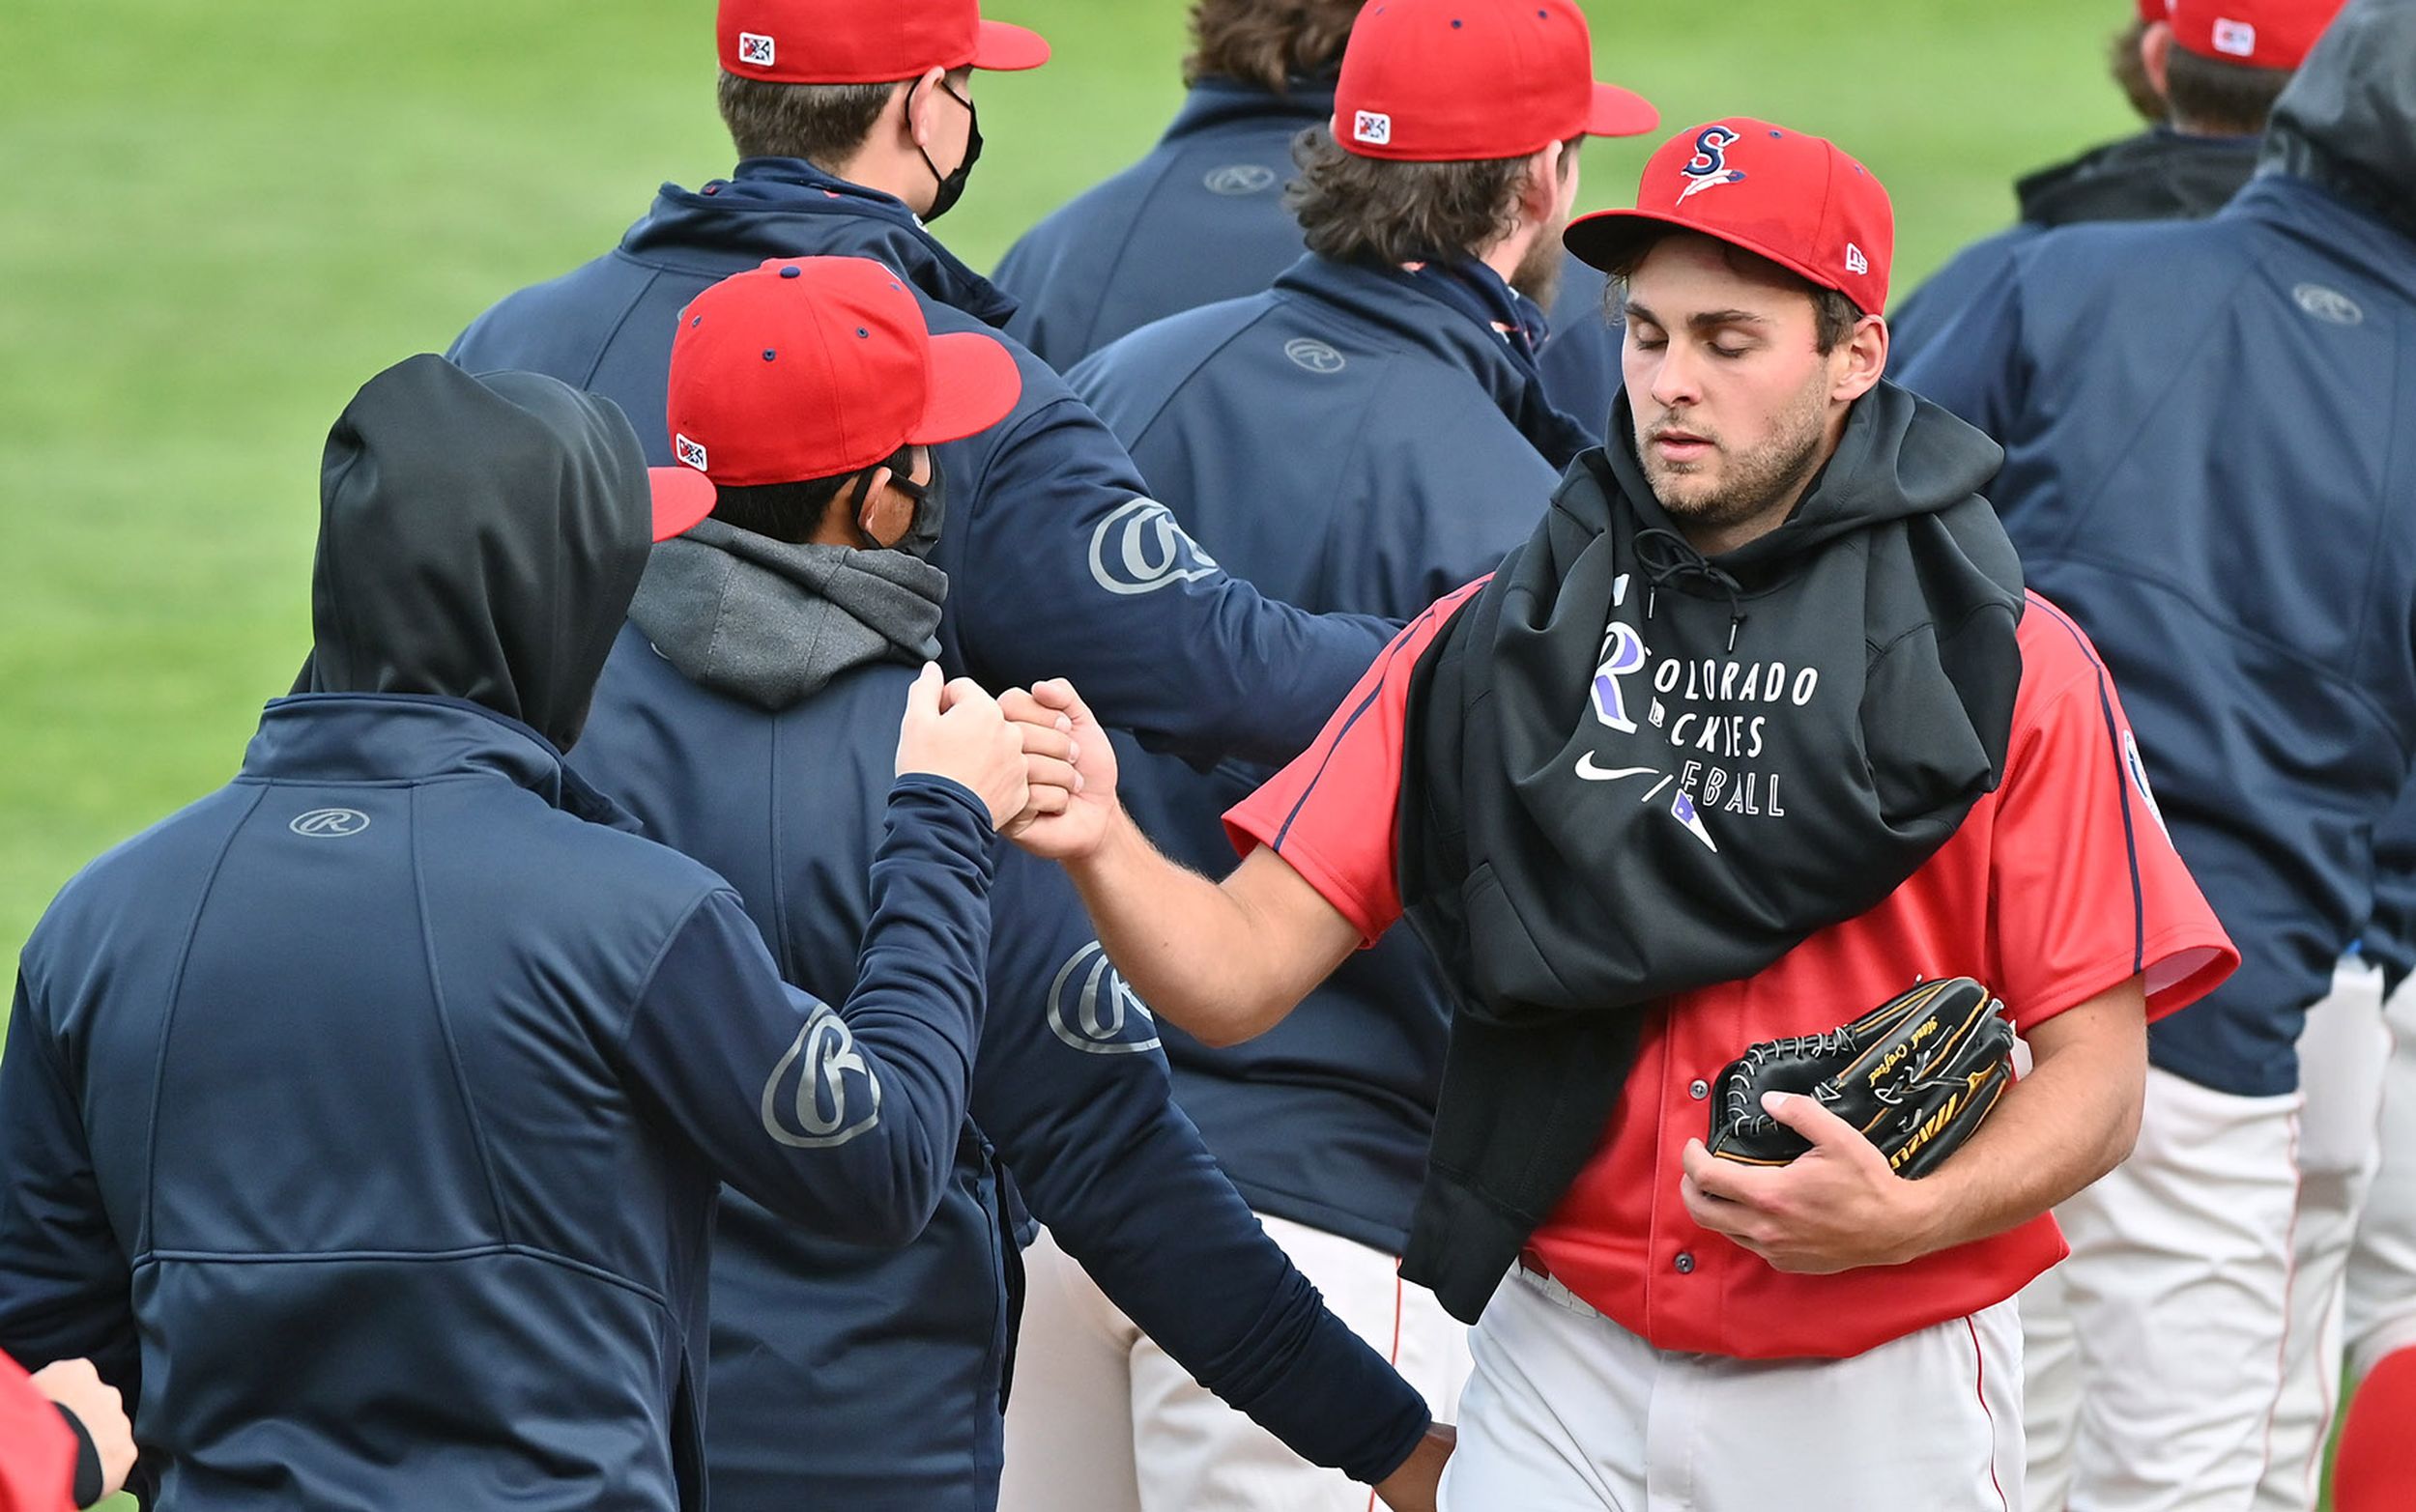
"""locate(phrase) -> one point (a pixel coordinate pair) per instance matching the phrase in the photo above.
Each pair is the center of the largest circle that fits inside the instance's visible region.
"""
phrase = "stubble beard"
(1754, 482)
(1538, 275)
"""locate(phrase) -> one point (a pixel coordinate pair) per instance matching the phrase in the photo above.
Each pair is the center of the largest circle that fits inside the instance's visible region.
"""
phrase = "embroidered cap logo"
(1708, 168)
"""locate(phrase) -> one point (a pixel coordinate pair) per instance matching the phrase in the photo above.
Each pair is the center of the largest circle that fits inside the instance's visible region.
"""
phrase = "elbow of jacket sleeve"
(899, 1194)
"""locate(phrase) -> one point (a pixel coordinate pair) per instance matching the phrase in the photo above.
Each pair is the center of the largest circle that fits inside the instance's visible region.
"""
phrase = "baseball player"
(854, 127)
(1203, 218)
(363, 1122)
(1757, 731)
(64, 1437)
(743, 716)
(2375, 1469)
(1367, 435)
(2149, 430)
(2218, 67)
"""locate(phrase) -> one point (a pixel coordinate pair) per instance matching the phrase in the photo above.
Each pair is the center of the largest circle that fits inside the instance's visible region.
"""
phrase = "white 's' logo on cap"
(1856, 263)
(2236, 38)
(1372, 127)
(688, 451)
(754, 47)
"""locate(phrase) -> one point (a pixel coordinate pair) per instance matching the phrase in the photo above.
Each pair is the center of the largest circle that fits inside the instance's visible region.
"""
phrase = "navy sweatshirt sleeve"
(1081, 575)
(1968, 357)
(65, 1283)
(844, 1120)
(1075, 1093)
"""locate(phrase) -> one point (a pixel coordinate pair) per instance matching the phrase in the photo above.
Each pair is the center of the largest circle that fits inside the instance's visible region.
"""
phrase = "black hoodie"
(1631, 770)
(479, 537)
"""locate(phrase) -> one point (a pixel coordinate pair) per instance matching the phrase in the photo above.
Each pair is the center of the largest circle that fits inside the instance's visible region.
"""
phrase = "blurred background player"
(64, 1440)
(363, 1122)
(1365, 436)
(744, 718)
(2216, 487)
(1204, 216)
(1660, 1326)
(2216, 67)
(854, 127)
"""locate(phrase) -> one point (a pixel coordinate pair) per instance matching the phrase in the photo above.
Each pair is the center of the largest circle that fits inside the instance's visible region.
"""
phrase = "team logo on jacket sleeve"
(1094, 1009)
(833, 1096)
(2137, 770)
(1140, 547)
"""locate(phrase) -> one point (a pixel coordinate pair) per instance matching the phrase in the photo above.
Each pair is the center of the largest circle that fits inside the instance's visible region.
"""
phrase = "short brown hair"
(2130, 71)
(1267, 42)
(824, 124)
(2225, 99)
(1351, 207)
(1833, 315)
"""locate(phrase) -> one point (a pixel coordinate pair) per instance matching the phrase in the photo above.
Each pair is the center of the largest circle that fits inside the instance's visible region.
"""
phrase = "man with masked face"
(363, 1122)
(855, 126)
(1757, 731)
(1367, 435)
(742, 717)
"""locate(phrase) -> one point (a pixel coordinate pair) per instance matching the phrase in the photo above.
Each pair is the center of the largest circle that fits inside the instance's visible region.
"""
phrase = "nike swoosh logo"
(1609, 774)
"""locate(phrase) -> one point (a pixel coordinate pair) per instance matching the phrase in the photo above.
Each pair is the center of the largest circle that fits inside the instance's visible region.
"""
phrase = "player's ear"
(922, 107)
(1858, 360)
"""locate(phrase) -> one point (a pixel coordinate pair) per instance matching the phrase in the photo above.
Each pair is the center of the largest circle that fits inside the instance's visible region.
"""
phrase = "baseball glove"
(1915, 1075)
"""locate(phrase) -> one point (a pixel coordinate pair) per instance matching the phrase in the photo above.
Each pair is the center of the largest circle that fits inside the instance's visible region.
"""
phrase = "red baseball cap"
(2261, 34)
(1793, 198)
(1465, 81)
(2153, 10)
(867, 42)
(810, 367)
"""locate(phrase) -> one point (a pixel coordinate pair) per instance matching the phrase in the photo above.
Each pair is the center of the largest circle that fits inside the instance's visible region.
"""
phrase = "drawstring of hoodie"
(1666, 556)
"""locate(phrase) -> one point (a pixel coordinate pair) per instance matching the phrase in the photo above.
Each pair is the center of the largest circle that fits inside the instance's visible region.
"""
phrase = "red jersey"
(2058, 885)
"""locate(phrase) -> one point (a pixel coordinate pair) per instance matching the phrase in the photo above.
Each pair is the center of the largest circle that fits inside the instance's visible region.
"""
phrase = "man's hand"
(1413, 1487)
(1833, 1208)
(76, 1386)
(955, 731)
(1073, 831)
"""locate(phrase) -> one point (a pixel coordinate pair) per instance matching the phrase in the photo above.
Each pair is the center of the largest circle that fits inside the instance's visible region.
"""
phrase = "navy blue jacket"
(2158, 173)
(1059, 563)
(2208, 462)
(1201, 218)
(1350, 436)
(877, 1378)
(363, 1120)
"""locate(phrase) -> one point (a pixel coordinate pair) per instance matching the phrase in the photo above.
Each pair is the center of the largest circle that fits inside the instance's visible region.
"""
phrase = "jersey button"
(1685, 1263)
(1698, 1088)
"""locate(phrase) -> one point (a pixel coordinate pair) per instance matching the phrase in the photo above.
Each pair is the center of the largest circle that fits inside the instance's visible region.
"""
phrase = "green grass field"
(226, 216)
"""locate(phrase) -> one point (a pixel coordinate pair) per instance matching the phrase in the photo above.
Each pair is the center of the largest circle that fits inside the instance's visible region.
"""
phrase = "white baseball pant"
(1103, 1420)
(2381, 1300)
(1568, 1411)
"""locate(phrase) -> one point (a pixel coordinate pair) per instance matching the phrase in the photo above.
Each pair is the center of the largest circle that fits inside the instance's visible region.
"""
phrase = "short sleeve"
(2087, 890)
(1333, 812)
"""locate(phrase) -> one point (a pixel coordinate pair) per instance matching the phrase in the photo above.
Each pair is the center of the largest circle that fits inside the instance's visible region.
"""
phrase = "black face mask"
(931, 509)
(951, 185)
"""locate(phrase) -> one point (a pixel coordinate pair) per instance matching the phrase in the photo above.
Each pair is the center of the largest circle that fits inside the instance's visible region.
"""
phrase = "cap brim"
(975, 384)
(1003, 48)
(1604, 239)
(1620, 112)
(682, 496)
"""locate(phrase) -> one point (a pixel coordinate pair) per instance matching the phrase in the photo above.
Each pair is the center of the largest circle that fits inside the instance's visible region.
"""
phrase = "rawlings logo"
(1139, 548)
(819, 1108)
(1708, 168)
(1101, 1015)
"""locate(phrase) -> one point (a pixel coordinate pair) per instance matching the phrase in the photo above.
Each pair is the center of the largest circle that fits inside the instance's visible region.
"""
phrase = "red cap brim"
(1003, 48)
(1602, 239)
(682, 496)
(975, 384)
(1620, 112)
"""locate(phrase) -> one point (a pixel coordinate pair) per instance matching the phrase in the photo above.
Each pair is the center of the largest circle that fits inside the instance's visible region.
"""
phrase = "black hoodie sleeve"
(848, 1119)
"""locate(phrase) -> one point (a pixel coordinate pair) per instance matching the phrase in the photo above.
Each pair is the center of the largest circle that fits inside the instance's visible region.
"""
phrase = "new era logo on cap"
(754, 47)
(689, 453)
(1372, 127)
(2236, 38)
(1856, 263)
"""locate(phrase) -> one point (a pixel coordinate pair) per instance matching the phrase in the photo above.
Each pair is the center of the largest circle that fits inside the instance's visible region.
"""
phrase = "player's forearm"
(2070, 1121)
(1185, 944)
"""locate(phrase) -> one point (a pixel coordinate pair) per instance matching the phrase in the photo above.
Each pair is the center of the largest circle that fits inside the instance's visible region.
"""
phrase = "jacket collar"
(402, 737)
(1217, 103)
(1409, 311)
(785, 207)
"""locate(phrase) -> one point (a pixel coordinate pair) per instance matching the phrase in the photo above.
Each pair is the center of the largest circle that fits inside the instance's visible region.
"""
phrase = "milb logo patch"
(688, 452)
(1373, 128)
(2238, 39)
(756, 48)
